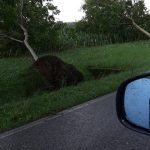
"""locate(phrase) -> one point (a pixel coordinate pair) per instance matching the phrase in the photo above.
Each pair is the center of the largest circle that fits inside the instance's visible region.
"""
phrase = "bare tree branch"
(138, 27)
(11, 38)
(27, 44)
(26, 35)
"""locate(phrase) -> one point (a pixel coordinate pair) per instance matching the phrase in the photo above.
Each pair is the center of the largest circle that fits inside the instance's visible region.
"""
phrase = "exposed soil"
(57, 73)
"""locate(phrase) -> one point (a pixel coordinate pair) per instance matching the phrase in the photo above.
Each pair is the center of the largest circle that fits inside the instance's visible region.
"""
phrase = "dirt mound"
(57, 73)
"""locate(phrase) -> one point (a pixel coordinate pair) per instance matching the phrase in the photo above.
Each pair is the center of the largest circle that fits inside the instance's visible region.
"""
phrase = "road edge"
(48, 118)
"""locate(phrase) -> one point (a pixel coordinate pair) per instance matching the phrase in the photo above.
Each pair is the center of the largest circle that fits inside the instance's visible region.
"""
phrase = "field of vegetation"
(16, 108)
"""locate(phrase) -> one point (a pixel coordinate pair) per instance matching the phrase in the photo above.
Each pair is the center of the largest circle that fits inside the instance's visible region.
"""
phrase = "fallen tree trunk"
(35, 57)
(138, 27)
(26, 35)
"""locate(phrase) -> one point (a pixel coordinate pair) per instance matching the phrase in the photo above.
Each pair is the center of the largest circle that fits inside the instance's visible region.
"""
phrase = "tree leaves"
(108, 16)
(38, 18)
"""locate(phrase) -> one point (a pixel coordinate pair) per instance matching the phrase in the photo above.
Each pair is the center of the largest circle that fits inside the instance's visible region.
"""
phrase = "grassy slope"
(15, 109)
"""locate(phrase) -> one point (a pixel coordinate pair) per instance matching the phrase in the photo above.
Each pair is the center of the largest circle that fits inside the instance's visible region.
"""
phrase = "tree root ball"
(57, 73)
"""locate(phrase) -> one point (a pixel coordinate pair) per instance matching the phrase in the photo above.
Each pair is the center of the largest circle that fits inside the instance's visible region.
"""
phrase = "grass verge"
(17, 109)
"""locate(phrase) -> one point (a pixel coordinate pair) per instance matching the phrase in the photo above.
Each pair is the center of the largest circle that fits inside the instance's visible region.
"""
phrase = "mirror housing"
(133, 103)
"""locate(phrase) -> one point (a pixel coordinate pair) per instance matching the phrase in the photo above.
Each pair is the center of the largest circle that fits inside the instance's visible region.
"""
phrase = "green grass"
(17, 109)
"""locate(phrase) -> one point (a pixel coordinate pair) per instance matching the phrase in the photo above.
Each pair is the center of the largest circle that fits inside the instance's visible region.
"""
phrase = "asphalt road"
(91, 126)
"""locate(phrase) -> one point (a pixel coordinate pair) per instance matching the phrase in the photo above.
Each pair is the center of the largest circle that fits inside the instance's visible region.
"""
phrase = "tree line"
(107, 20)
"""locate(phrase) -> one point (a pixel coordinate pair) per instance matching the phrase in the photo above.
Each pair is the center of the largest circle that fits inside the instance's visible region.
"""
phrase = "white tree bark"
(139, 28)
(26, 35)
(35, 57)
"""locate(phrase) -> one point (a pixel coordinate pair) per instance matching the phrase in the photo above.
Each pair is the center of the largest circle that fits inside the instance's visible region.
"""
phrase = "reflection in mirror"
(137, 102)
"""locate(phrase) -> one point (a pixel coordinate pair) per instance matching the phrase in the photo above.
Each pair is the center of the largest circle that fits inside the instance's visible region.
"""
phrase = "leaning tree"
(21, 18)
(33, 21)
(117, 16)
(137, 10)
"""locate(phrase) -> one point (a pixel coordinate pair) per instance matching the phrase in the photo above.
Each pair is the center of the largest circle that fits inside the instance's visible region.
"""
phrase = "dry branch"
(35, 57)
(26, 35)
(10, 38)
(25, 41)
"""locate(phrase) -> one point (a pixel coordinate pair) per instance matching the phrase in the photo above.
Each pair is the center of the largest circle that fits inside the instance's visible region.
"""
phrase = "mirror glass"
(137, 102)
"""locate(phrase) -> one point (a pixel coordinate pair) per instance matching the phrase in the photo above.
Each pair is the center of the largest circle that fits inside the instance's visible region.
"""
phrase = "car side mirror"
(133, 103)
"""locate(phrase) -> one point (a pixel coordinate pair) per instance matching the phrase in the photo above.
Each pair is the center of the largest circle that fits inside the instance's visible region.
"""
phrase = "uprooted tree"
(31, 21)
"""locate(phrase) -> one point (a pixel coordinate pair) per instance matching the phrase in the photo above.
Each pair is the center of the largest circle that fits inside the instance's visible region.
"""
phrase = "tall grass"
(80, 39)
(16, 108)
(71, 39)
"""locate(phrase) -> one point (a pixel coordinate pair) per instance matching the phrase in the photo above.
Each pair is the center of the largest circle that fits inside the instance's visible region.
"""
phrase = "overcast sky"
(71, 9)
